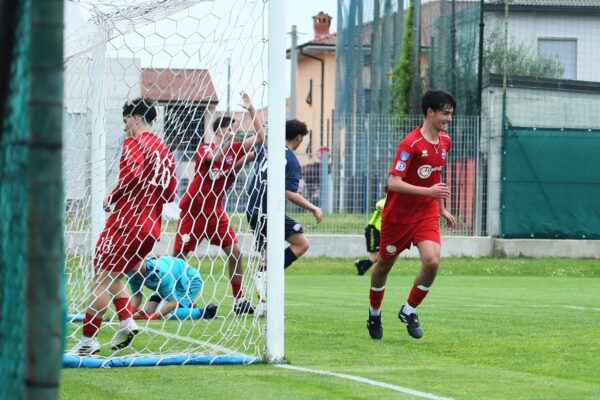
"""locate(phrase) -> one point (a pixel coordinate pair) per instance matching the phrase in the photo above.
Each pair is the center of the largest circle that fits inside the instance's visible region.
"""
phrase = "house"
(566, 29)
(315, 87)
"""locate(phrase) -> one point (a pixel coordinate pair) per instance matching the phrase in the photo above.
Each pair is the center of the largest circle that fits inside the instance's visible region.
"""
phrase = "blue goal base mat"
(73, 361)
(181, 314)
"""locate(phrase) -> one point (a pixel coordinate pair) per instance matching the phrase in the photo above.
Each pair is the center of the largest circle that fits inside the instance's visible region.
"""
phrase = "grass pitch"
(493, 329)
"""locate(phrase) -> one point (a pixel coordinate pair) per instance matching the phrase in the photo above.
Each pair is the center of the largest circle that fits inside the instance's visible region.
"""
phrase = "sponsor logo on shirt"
(216, 173)
(400, 166)
(405, 155)
(425, 171)
(444, 153)
(390, 249)
(424, 153)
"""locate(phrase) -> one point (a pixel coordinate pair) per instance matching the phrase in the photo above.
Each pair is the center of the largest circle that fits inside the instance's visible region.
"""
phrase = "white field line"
(506, 305)
(312, 371)
(396, 388)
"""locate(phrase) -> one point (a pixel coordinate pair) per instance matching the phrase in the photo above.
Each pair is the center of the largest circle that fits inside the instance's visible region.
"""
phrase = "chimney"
(321, 24)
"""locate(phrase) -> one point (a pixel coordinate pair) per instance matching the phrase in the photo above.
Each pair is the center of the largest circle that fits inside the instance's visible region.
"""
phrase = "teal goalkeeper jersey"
(170, 278)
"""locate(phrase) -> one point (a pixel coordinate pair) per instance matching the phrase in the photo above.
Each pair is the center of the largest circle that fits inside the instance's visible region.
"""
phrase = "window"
(565, 50)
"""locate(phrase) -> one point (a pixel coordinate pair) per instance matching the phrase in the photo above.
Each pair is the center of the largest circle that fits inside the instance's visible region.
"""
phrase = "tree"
(521, 59)
(404, 70)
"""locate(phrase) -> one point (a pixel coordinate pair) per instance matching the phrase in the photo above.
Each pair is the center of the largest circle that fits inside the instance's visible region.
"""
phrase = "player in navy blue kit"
(256, 211)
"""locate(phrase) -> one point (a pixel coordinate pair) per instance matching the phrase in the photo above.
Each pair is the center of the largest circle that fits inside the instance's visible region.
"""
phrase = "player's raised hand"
(440, 191)
(106, 204)
(246, 101)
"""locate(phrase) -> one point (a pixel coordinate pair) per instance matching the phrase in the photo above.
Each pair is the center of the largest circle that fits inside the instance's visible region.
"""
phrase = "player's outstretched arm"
(239, 164)
(300, 201)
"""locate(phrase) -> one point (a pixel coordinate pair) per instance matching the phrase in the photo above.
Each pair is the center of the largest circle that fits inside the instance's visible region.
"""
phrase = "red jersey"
(211, 180)
(419, 163)
(146, 182)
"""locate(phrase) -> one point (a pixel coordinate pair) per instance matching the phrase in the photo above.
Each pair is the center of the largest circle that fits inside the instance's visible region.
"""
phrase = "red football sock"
(91, 325)
(417, 294)
(123, 308)
(236, 288)
(376, 297)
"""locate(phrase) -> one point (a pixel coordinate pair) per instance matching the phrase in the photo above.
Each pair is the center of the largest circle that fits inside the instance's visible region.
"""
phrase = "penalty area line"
(359, 379)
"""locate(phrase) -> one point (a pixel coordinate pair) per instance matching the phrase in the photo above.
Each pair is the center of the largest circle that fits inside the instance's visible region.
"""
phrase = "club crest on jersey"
(229, 159)
(400, 166)
(424, 153)
(444, 154)
(425, 171)
(405, 155)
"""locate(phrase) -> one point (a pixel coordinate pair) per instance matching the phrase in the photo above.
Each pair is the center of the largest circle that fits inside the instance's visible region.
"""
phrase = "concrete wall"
(354, 246)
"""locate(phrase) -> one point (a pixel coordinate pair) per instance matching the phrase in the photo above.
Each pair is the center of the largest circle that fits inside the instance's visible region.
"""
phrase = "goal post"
(276, 187)
(184, 56)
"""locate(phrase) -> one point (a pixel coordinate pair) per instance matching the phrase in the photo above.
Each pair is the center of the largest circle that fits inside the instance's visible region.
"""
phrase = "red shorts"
(395, 237)
(121, 251)
(191, 231)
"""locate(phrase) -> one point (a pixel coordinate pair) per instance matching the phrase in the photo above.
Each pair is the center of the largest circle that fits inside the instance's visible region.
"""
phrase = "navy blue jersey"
(257, 190)
(293, 172)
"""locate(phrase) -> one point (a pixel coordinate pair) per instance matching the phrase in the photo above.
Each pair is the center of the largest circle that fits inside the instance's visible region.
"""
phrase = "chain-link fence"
(347, 179)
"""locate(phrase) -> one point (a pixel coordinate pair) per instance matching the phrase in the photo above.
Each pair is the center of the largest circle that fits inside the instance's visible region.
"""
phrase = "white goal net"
(191, 59)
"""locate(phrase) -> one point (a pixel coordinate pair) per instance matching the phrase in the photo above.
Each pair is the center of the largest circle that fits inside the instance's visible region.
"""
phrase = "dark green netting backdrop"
(551, 183)
(13, 206)
(31, 200)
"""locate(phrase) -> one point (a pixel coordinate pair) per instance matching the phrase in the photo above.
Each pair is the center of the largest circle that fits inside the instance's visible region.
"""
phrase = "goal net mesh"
(192, 58)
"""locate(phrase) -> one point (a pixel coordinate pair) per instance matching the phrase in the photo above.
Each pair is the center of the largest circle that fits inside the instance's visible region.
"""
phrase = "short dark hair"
(437, 100)
(221, 122)
(141, 106)
(293, 128)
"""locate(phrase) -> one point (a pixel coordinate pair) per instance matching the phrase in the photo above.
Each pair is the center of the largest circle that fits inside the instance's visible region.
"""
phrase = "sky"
(298, 12)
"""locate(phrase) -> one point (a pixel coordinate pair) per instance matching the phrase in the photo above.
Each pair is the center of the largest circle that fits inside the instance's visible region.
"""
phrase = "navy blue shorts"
(258, 224)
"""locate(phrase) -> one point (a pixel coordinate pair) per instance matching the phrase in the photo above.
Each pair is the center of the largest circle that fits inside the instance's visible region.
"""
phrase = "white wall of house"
(530, 27)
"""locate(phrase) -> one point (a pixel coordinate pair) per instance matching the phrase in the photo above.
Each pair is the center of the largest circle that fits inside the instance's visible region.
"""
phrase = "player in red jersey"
(146, 182)
(202, 214)
(415, 201)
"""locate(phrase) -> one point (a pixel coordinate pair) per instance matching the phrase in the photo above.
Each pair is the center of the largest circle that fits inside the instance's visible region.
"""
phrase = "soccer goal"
(192, 58)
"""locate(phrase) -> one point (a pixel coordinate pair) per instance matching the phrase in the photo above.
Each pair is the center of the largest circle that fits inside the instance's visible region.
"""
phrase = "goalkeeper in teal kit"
(175, 285)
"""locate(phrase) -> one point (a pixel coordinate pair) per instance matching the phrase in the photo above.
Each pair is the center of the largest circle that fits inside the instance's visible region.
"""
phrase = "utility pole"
(228, 85)
(294, 68)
